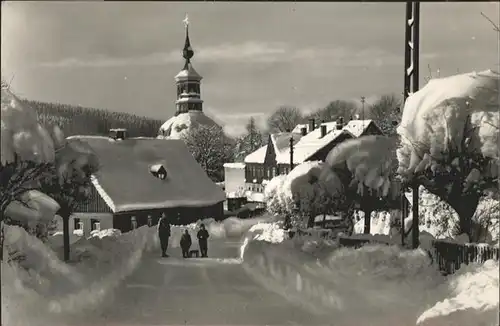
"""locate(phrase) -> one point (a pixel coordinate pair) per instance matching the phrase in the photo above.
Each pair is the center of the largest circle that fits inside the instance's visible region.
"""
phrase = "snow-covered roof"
(189, 100)
(177, 126)
(309, 145)
(281, 143)
(235, 165)
(357, 127)
(125, 182)
(258, 156)
(188, 73)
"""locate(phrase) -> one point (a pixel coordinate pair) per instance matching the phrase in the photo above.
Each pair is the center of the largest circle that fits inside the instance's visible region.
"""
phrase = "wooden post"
(415, 220)
(65, 219)
(291, 152)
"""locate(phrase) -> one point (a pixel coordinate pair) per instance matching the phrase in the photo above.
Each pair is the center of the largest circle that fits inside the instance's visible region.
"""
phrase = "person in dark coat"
(203, 240)
(185, 244)
(164, 234)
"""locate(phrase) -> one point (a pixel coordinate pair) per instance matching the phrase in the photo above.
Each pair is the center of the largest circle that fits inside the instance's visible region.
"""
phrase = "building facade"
(142, 178)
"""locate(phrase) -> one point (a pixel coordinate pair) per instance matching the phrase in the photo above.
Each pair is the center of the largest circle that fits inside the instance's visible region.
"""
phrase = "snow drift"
(374, 285)
(58, 293)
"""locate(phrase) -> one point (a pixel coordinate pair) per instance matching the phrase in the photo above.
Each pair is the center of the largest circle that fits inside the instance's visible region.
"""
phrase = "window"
(76, 225)
(274, 172)
(133, 221)
(150, 220)
(94, 224)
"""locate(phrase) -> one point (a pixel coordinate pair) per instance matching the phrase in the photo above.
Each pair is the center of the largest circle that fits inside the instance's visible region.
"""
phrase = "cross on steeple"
(187, 52)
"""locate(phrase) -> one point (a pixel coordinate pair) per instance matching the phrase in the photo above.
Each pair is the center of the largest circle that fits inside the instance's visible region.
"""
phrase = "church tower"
(188, 81)
(189, 113)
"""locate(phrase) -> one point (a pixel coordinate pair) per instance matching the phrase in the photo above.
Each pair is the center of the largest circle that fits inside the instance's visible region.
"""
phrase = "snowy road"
(173, 291)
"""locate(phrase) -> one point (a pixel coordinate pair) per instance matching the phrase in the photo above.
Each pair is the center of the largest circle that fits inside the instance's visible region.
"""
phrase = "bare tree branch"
(496, 27)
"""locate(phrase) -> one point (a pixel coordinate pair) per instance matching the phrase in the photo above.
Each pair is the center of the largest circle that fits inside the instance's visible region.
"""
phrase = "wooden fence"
(446, 255)
(449, 256)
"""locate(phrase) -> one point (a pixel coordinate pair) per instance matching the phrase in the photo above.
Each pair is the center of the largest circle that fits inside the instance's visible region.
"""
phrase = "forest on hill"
(77, 120)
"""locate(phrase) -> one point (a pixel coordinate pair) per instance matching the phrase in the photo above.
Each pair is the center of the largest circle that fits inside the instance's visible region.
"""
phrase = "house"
(141, 178)
(310, 142)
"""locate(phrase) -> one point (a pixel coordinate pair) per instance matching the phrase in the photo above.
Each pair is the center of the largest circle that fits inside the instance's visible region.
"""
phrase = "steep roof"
(308, 145)
(126, 184)
(311, 144)
(188, 73)
(177, 126)
(257, 156)
(357, 127)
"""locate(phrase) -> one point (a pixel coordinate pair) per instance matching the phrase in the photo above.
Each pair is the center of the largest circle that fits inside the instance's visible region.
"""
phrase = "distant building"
(141, 178)
(311, 142)
(189, 105)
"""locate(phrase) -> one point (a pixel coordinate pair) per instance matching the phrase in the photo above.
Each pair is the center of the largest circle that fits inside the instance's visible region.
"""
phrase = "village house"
(311, 142)
(141, 178)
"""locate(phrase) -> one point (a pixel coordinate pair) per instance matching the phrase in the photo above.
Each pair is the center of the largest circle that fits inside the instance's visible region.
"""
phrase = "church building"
(189, 105)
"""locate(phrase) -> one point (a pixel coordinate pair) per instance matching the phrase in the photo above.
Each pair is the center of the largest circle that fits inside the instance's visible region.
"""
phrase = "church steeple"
(188, 80)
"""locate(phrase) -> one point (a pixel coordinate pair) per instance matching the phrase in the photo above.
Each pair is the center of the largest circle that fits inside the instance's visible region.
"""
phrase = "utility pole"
(363, 112)
(411, 81)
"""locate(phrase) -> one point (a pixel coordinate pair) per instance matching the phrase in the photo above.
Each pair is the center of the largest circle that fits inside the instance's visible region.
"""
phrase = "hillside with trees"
(77, 120)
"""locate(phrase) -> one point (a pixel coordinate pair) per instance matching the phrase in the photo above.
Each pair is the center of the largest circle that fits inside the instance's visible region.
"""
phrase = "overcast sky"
(253, 56)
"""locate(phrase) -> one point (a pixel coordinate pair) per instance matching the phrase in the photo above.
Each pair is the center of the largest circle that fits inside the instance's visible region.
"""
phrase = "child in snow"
(164, 234)
(185, 244)
(202, 240)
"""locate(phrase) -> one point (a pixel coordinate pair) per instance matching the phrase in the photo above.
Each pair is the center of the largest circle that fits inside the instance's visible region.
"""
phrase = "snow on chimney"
(323, 130)
(340, 123)
(312, 125)
(303, 131)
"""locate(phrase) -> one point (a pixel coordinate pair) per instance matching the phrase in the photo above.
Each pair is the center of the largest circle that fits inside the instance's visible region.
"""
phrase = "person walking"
(185, 244)
(203, 240)
(164, 234)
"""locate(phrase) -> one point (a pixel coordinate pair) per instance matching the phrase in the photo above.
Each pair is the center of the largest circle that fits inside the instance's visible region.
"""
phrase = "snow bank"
(54, 292)
(474, 298)
(374, 285)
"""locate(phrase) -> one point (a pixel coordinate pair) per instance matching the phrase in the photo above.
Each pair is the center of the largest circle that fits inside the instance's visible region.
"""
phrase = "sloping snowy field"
(375, 285)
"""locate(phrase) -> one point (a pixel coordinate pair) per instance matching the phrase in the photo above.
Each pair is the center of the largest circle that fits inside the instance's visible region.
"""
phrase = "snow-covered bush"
(364, 162)
(449, 140)
(300, 196)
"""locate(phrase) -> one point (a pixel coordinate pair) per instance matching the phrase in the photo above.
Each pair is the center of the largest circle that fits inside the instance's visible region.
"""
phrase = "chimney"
(118, 133)
(323, 130)
(303, 131)
(312, 126)
(340, 123)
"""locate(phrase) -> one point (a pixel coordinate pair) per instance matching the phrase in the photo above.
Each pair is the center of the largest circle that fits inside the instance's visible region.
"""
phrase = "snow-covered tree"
(70, 184)
(449, 141)
(211, 148)
(252, 140)
(364, 169)
(386, 113)
(284, 119)
(334, 110)
(27, 152)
